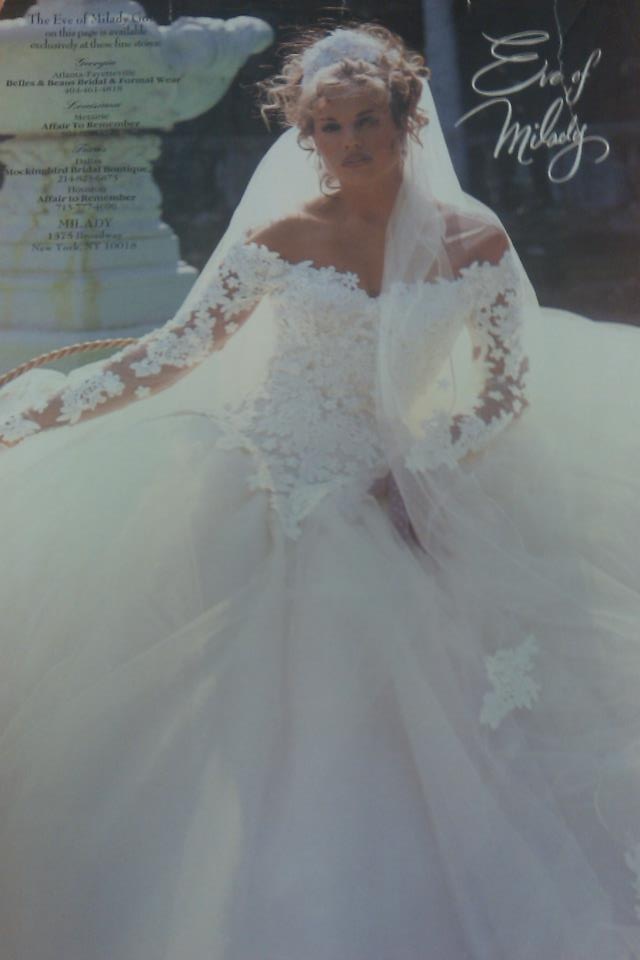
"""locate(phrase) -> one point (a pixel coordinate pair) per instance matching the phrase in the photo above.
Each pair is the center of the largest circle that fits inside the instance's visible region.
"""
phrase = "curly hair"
(397, 77)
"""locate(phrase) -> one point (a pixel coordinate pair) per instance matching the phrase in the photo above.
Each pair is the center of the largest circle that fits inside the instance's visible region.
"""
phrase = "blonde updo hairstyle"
(396, 77)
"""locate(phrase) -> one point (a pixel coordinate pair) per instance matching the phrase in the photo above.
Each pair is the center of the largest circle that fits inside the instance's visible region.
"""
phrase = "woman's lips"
(355, 161)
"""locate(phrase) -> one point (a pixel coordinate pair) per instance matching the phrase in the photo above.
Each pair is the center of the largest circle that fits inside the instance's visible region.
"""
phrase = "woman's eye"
(368, 121)
(330, 127)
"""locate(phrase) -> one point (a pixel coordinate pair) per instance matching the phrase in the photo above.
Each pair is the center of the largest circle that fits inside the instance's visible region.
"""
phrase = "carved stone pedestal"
(84, 84)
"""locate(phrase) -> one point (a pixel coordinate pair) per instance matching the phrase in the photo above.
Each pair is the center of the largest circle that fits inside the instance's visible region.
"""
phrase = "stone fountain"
(84, 87)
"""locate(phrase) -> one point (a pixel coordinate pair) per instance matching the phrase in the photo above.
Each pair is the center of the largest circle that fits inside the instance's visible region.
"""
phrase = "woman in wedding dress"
(320, 604)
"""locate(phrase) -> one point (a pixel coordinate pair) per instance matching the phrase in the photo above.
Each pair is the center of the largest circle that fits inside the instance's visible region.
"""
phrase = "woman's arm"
(495, 331)
(161, 357)
(495, 327)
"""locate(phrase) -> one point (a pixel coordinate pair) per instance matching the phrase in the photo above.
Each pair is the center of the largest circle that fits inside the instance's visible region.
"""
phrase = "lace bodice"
(311, 423)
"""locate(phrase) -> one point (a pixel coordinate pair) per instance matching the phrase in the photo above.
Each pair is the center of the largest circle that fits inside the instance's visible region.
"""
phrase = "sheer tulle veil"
(409, 379)
(419, 236)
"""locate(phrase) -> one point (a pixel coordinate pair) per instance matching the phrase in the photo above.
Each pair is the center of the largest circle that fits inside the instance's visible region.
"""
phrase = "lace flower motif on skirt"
(513, 687)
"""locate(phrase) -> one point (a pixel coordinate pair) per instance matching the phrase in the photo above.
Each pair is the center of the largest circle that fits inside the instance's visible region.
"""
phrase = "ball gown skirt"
(221, 743)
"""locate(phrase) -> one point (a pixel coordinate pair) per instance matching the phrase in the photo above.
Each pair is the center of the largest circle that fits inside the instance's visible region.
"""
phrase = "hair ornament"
(341, 44)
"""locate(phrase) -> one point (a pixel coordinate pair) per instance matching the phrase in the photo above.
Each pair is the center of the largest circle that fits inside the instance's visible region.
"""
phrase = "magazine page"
(319, 480)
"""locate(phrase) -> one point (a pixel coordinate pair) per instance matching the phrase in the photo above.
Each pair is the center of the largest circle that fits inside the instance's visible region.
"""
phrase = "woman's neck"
(372, 203)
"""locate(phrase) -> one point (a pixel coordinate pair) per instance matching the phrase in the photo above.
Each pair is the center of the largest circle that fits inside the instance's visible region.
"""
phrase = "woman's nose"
(352, 138)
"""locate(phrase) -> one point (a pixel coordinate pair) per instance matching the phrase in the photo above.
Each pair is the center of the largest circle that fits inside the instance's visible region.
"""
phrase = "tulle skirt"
(219, 743)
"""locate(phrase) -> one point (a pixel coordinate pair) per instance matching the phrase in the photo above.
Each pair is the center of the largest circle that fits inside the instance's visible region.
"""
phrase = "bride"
(324, 645)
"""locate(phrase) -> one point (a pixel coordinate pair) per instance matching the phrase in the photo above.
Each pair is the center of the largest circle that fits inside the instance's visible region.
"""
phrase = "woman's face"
(357, 138)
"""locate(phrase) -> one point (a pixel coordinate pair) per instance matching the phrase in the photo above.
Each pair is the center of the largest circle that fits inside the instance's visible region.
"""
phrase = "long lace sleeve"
(157, 360)
(495, 327)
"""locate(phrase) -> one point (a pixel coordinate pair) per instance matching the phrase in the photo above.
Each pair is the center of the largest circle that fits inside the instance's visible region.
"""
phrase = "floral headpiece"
(341, 44)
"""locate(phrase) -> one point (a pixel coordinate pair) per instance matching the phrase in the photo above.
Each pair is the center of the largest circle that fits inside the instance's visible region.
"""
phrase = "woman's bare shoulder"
(281, 236)
(291, 236)
(471, 239)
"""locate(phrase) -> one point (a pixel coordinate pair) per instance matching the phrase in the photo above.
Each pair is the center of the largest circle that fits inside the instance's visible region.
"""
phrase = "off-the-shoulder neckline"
(353, 282)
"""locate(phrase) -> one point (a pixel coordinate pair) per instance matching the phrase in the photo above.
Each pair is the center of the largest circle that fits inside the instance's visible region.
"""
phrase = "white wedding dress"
(243, 717)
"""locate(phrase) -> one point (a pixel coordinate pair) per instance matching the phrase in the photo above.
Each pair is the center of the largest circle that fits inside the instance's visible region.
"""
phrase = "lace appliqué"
(632, 859)
(87, 394)
(15, 427)
(247, 273)
(434, 447)
(513, 688)
(495, 330)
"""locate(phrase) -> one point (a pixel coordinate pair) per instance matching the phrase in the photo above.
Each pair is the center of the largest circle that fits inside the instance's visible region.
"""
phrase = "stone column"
(446, 82)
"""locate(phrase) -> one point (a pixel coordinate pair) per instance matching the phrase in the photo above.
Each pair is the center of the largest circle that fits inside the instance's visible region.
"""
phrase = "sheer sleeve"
(202, 325)
(495, 328)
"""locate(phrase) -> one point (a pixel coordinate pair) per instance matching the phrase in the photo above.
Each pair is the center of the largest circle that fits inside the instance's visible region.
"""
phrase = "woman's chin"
(356, 173)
